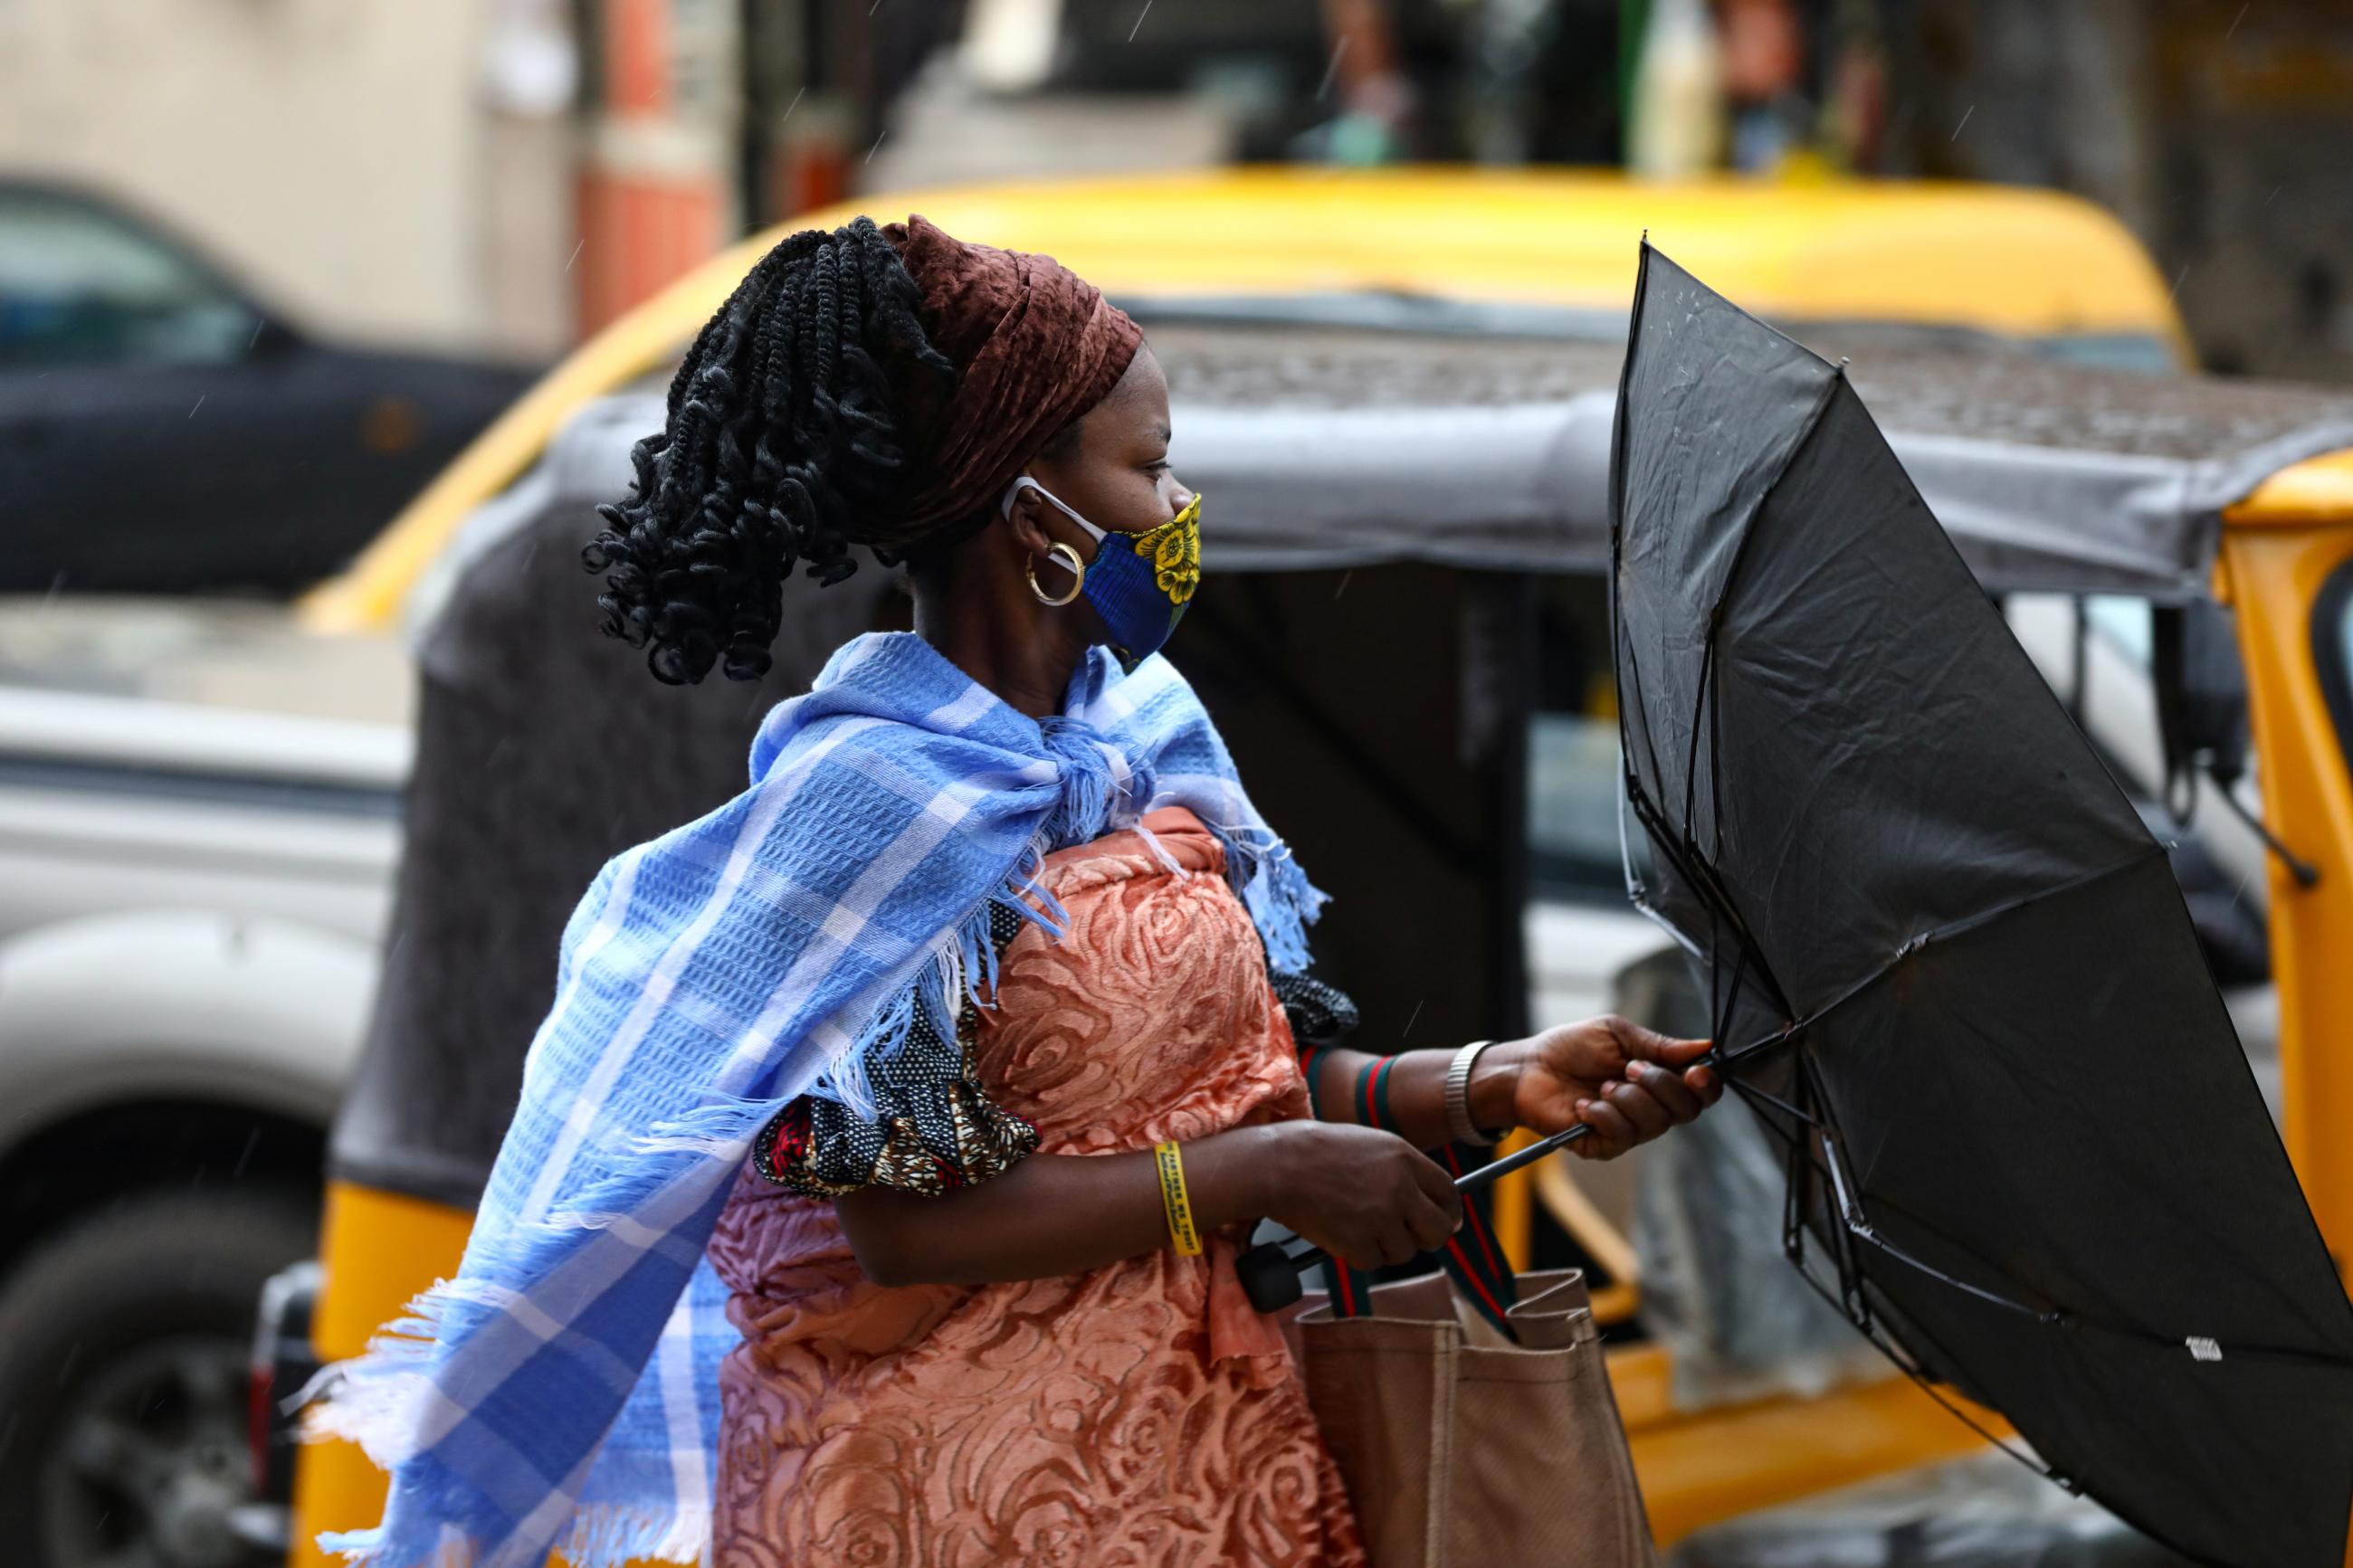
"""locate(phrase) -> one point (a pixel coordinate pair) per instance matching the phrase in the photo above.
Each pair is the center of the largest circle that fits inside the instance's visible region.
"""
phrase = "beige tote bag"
(1461, 1449)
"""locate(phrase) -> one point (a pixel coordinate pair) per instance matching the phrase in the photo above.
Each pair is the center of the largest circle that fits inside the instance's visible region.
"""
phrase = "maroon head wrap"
(1034, 345)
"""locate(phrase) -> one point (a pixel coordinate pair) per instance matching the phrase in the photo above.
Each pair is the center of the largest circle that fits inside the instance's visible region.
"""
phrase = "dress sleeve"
(1320, 1017)
(933, 1129)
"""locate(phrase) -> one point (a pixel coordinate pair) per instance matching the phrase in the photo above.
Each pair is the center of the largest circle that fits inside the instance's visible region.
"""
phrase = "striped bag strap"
(1471, 1257)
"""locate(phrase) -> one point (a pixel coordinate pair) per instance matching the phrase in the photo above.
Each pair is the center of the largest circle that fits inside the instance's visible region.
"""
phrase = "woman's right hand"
(1363, 1195)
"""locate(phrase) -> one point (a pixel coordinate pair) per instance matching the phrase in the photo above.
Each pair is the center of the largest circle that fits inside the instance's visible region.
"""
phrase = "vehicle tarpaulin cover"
(1947, 965)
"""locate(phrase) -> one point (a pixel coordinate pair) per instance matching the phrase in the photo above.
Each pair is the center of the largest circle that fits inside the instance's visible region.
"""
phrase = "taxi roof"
(2020, 264)
(2006, 260)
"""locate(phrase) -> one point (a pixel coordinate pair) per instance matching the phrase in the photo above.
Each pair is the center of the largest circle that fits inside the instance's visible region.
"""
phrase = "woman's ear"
(1027, 519)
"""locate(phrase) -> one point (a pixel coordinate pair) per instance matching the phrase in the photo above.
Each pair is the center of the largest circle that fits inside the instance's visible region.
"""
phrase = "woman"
(947, 1062)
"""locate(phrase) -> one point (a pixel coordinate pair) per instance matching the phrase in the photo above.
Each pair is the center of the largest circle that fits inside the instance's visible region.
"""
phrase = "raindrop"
(2234, 23)
(1956, 136)
(1331, 68)
(796, 103)
(1410, 1019)
(574, 255)
(2178, 277)
(878, 140)
(246, 1153)
(200, 403)
(1140, 15)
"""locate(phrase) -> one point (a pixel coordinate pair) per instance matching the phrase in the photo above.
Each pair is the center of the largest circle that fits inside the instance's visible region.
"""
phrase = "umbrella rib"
(1860, 1229)
(1707, 683)
(1751, 1092)
(1903, 1363)
(1710, 887)
(1929, 1385)
(1683, 855)
(1853, 1219)
(1707, 710)
(1962, 927)
(2060, 1318)
(1745, 945)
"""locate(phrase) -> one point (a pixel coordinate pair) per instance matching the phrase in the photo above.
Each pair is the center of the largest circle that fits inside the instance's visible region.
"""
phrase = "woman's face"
(1116, 475)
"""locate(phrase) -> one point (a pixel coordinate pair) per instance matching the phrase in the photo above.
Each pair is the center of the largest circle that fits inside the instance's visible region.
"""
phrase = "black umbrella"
(1950, 966)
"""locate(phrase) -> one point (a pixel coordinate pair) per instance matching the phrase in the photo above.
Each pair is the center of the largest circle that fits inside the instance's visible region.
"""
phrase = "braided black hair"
(788, 440)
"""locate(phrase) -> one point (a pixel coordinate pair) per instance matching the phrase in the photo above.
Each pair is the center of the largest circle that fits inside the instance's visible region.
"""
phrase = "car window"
(1573, 843)
(80, 285)
(2145, 352)
(2123, 621)
(2332, 652)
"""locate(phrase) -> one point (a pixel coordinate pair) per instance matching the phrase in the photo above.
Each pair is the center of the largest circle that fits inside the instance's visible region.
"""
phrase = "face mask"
(1139, 584)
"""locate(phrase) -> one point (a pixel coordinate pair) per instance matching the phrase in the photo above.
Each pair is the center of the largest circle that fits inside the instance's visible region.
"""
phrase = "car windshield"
(80, 285)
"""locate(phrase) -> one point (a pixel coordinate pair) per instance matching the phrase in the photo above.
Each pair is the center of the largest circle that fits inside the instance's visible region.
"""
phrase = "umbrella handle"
(1269, 1274)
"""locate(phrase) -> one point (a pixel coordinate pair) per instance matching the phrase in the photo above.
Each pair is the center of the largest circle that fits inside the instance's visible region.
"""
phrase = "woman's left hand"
(1630, 1083)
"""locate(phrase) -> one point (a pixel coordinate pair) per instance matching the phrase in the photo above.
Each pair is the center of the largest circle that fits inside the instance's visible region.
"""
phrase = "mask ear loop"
(1062, 554)
(1023, 481)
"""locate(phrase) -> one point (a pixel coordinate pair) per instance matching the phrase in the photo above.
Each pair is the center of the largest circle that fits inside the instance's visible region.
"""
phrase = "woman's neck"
(1023, 651)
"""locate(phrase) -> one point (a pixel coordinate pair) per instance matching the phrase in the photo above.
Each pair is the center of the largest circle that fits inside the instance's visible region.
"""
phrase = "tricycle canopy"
(1340, 448)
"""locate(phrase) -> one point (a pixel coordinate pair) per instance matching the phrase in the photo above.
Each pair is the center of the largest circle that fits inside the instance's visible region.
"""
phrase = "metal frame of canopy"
(1478, 453)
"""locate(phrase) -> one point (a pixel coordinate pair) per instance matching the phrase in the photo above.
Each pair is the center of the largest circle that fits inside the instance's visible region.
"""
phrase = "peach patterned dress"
(1141, 1415)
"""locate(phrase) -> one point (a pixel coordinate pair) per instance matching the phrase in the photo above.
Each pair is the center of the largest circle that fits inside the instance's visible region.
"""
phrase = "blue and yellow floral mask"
(1139, 584)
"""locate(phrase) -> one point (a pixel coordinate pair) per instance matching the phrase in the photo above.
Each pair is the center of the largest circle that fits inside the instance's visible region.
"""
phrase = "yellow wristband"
(1180, 1207)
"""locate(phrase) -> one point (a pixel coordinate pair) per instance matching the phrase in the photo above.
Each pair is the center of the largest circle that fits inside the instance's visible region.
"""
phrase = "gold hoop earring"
(1076, 567)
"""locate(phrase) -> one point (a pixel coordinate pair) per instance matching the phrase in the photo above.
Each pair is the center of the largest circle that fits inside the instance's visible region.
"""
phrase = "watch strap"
(1459, 1125)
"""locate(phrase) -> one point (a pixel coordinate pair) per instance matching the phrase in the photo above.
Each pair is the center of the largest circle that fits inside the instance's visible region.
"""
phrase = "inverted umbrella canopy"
(1947, 964)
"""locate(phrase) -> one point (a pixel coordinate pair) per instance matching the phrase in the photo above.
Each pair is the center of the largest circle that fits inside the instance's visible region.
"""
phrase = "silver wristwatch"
(1457, 1097)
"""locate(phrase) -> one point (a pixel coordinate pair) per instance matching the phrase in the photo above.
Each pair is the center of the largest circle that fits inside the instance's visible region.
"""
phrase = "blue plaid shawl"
(562, 1391)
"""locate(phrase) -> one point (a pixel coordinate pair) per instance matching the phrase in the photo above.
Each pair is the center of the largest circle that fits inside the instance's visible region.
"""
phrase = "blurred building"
(499, 174)
(2221, 131)
(512, 174)
(388, 171)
